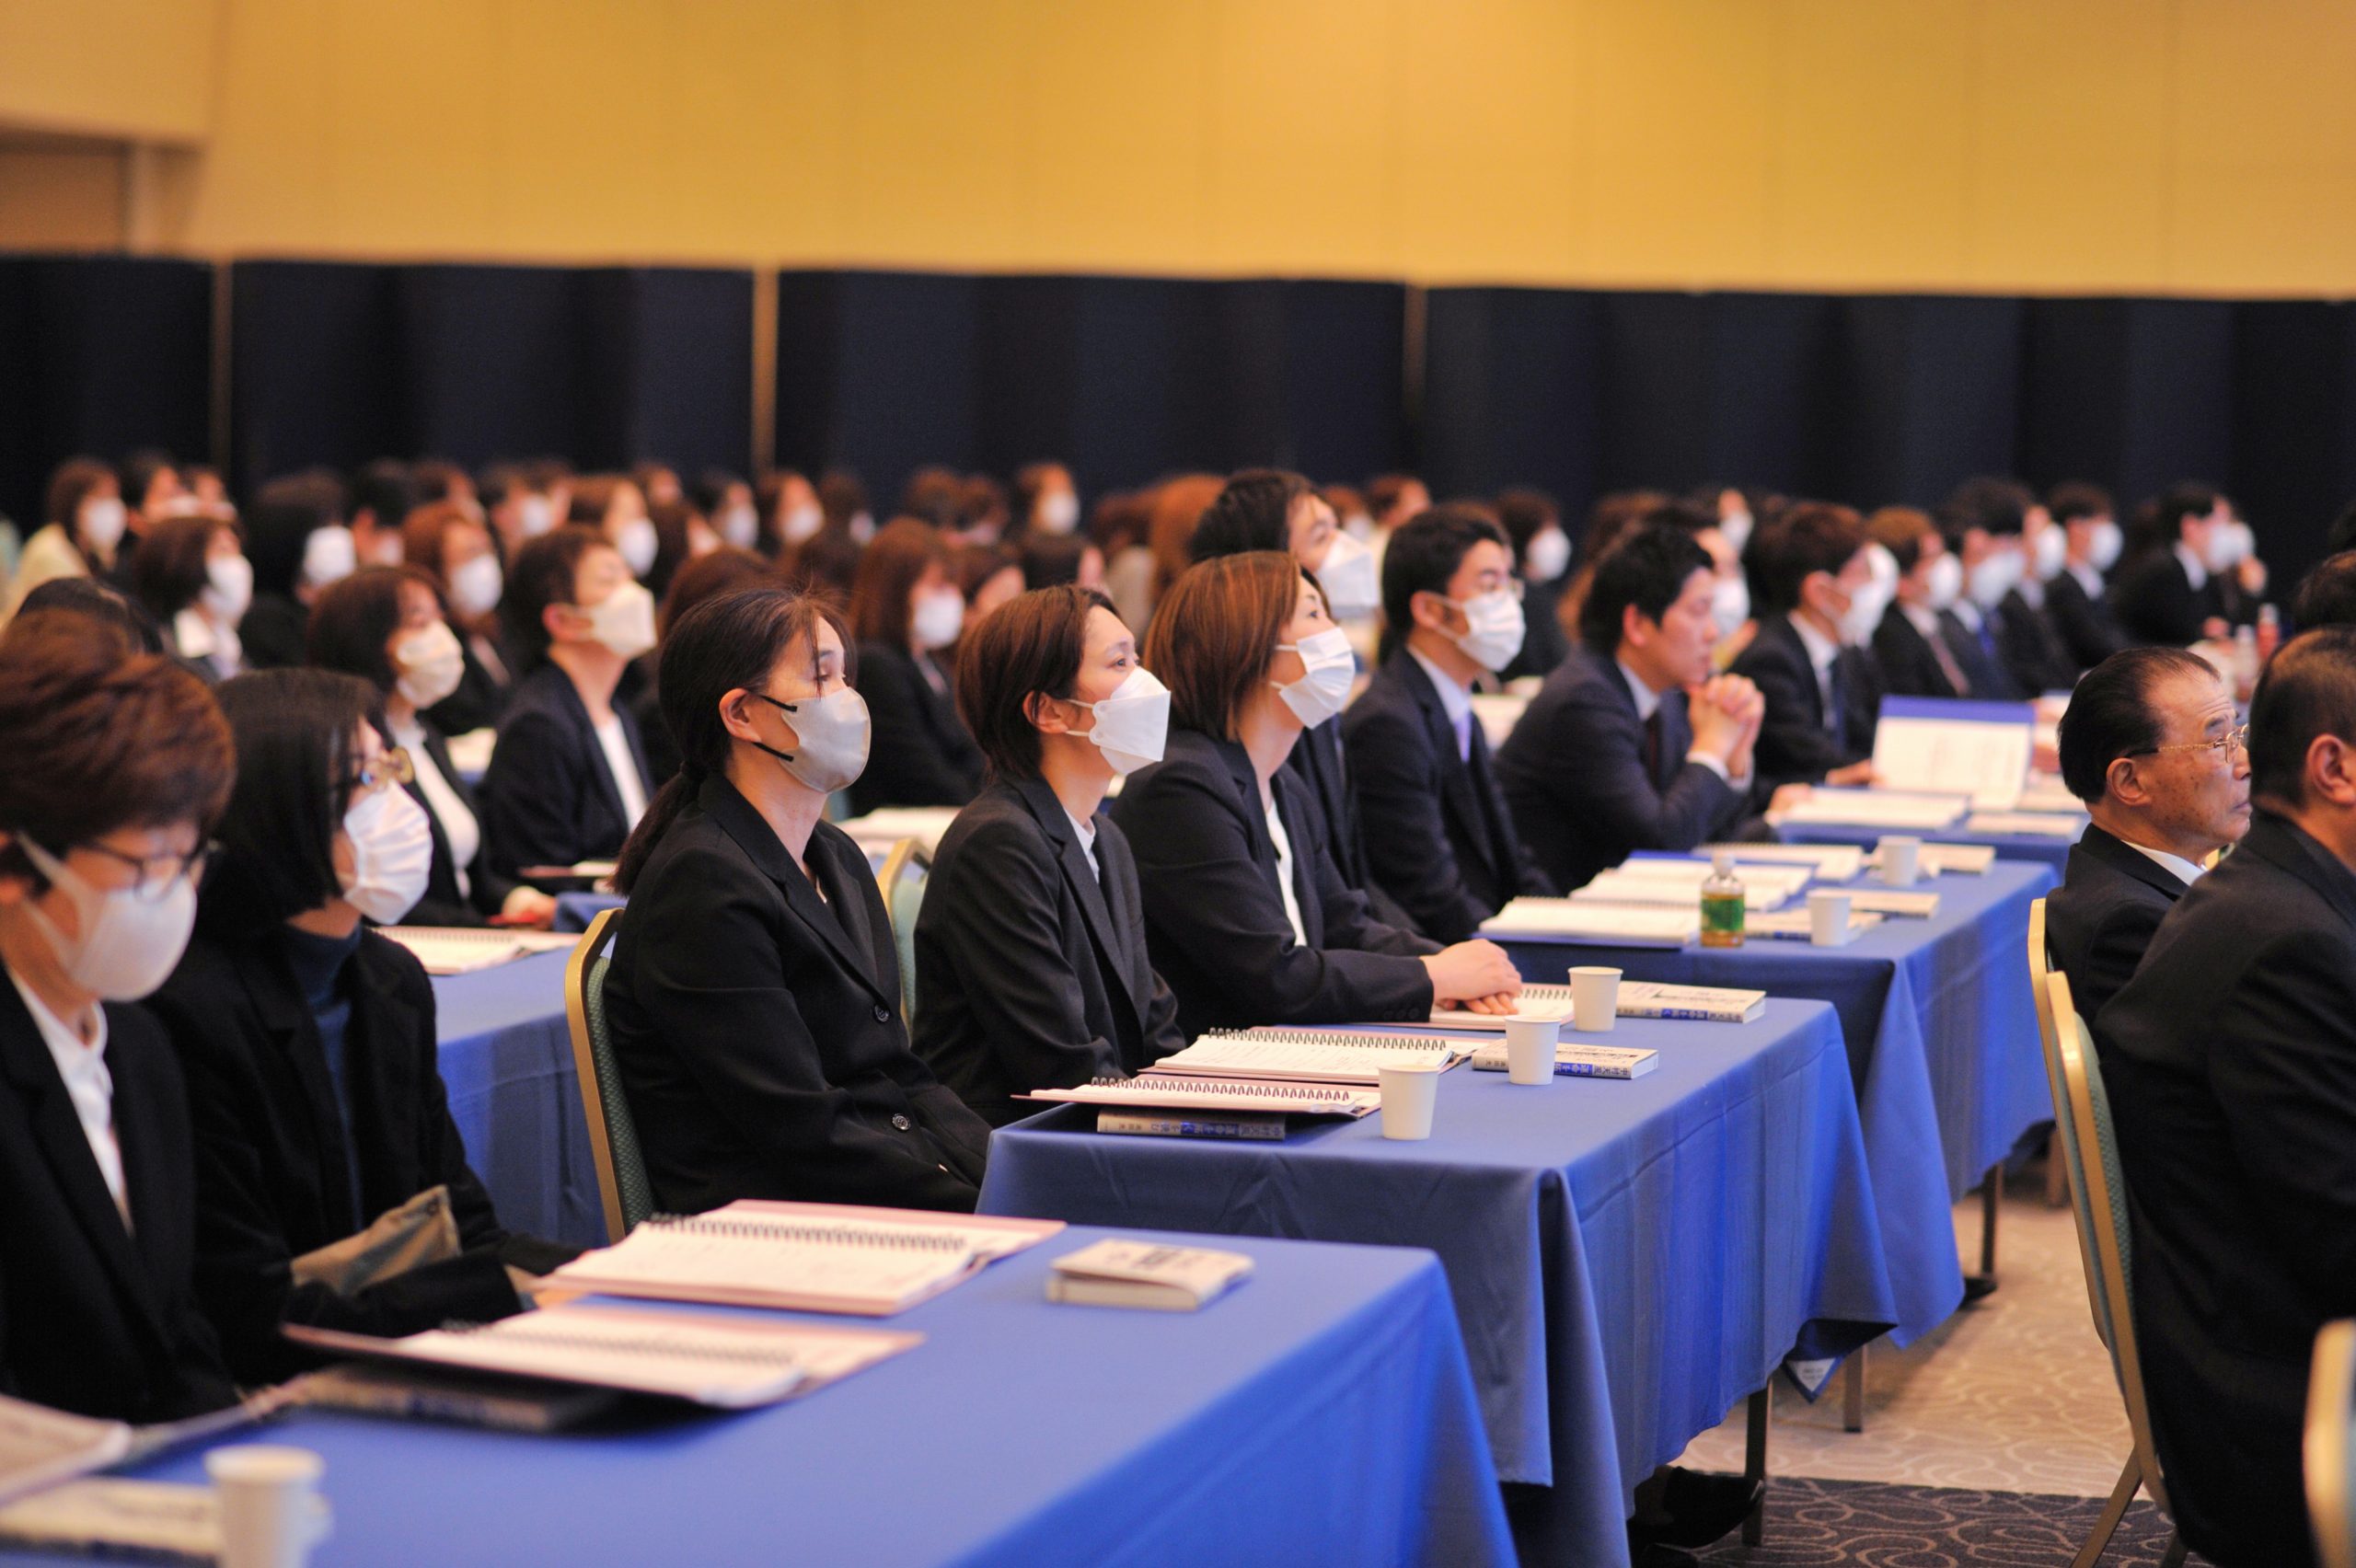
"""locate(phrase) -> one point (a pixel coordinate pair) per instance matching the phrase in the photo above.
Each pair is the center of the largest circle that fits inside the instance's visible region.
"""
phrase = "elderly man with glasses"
(2151, 744)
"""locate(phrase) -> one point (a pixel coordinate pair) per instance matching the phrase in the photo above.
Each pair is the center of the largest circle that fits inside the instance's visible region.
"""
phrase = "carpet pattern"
(1845, 1524)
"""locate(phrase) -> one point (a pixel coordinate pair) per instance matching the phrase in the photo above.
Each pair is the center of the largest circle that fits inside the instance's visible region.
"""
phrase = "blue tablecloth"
(1628, 1258)
(1942, 1036)
(1321, 1414)
(507, 1060)
(575, 910)
(2053, 852)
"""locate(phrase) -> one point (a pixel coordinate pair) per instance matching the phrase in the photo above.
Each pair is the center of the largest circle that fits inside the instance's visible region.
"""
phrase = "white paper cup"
(1529, 1049)
(269, 1499)
(1409, 1097)
(1902, 860)
(1595, 999)
(1828, 918)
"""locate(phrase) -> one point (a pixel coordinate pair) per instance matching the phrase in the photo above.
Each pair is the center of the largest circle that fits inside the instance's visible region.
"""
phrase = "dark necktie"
(1947, 666)
(1837, 721)
(1651, 747)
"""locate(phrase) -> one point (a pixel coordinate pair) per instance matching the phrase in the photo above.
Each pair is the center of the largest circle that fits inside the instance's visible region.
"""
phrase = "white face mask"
(802, 522)
(124, 945)
(1547, 556)
(228, 586)
(102, 521)
(1945, 582)
(1058, 511)
(1736, 527)
(1358, 526)
(1995, 576)
(638, 543)
(385, 548)
(1730, 603)
(1327, 668)
(475, 587)
(739, 524)
(1133, 724)
(2230, 545)
(625, 622)
(431, 663)
(1866, 604)
(862, 526)
(831, 735)
(536, 515)
(1494, 628)
(1348, 578)
(2104, 547)
(330, 556)
(392, 854)
(2053, 552)
(939, 616)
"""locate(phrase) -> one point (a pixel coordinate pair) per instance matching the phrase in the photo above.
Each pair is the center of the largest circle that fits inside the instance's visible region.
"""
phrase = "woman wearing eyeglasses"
(99, 855)
(310, 1044)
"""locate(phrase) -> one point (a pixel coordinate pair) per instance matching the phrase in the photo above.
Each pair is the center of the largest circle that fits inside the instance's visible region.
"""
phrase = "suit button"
(900, 1122)
(883, 1015)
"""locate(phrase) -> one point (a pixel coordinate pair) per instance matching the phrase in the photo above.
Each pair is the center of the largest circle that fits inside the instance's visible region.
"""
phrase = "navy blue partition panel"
(2134, 394)
(99, 355)
(879, 370)
(338, 363)
(1927, 395)
(2295, 426)
(1510, 391)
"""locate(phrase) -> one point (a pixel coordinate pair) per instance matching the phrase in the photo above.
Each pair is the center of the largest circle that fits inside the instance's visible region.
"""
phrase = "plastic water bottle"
(1723, 905)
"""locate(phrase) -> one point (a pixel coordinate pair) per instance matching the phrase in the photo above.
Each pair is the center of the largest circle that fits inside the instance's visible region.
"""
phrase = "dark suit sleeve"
(532, 795)
(906, 764)
(709, 978)
(1397, 775)
(2114, 947)
(1347, 914)
(1600, 779)
(1792, 744)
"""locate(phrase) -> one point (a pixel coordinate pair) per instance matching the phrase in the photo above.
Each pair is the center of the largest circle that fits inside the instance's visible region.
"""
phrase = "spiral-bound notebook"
(1306, 1056)
(462, 950)
(728, 1362)
(1180, 1091)
(802, 1257)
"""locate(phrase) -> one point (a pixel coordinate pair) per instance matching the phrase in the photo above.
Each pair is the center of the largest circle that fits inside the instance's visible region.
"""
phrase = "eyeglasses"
(157, 875)
(391, 769)
(2225, 745)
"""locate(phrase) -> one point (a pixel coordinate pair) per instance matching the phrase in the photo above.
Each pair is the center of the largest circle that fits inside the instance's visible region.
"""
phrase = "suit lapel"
(754, 835)
(2289, 846)
(277, 1000)
(2130, 861)
(1085, 888)
(600, 771)
(1457, 789)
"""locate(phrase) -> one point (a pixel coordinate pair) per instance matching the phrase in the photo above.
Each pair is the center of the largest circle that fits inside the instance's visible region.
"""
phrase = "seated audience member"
(568, 778)
(1046, 501)
(2009, 547)
(1119, 526)
(2149, 743)
(936, 494)
(2230, 1060)
(1613, 755)
(297, 539)
(681, 535)
(193, 577)
(726, 503)
(383, 494)
(1391, 499)
(1175, 507)
(658, 482)
(2169, 595)
(518, 507)
(790, 516)
(1818, 610)
(99, 601)
(906, 609)
(83, 521)
(1919, 643)
(614, 506)
(100, 847)
(988, 576)
(439, 481)
(2327, 594)
(1620, 512)
(454, 550)
(705, 577)
(1541, 553)
(1246, 916)
(310, 1045)
(755, 989)
(2075, 601)
(1051, 561)
(984, 509)
(842, 495)
(1440, 838)
(1032, 969)
(384, 625)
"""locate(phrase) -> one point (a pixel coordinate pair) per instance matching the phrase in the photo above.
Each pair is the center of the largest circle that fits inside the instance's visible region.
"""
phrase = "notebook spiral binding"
(1347, 1038)
(648, 1343)
(1183, 1084)
(820, 1235)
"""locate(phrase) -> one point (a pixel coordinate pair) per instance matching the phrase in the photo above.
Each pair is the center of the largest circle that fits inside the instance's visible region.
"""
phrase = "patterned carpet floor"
(1849, 1524)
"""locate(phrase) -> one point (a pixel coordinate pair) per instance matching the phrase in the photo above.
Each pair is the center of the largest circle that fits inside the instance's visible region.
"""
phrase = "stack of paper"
(2025, 825)
(1306, 1055)
(1115, 1272)
(1598, 925)
(1981, 748)
(1828, 862)
(1638, 998)
(882, 829)
(1179, 1092)
(1795, 926)
(462, 950)
(1764, 886)
(1892, 809)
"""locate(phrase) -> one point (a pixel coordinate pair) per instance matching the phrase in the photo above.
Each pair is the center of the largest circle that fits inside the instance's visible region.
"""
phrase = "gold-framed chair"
(902, 877)
(622, 1186)
(2098, 1202)
(2330, 1456)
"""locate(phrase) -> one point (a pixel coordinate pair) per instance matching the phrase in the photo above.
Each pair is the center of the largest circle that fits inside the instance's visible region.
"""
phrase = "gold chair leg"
(1991, 1199)
(1754, 1461)
(2130, 1480)
(1853, 1392)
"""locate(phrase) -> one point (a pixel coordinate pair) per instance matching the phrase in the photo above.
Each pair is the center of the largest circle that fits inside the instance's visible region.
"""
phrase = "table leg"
(1853, 1392)
(1754, 1462)
(1991, 1199)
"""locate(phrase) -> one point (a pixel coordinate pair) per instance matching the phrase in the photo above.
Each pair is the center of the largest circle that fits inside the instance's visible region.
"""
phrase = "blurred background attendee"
(905, 609)
(707, 576)
(789, 512)
(2168, 594)
(82, 523)
(298, 542)
(2075, 600)
(681, 534)
(454, 549)
(988, 575)
(1051, 561)
(381, 496)
(612, 505)
(1541, 552)
(516, 507)
(1120, 525)
(1919, 644)
(1044, 500)
(726, 503)
(192, 576)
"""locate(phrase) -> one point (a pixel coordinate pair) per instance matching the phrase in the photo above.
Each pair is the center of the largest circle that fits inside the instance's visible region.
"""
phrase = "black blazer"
(2231, 1064)
(2156, 601)
(920, 753)
(487, 890)
(93, 1318)
(1321, 762)
(2099, 921)
(274, 1162)
(1544, 644)
(1574, 775)
(1980, 652)
(547, 798)
(2082, 621)
(2031, 649)
(1440, 838)
(1908, 667)
(1798, 743)
(1215, 918)
(1031, 972)
(483, 688)
(758, 1031)
(274, 632)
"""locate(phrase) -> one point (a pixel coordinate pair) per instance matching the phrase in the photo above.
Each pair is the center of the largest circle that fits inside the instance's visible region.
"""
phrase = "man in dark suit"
(2231, 1065)
(2149, 743)
(1439, 837)
(2171, 594)
(2009, 549)
(2074, 601)
(1613, 754)
(1819, 605)
(1920, 646)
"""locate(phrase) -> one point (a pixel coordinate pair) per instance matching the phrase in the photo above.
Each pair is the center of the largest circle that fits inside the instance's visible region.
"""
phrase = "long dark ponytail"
(724, 644)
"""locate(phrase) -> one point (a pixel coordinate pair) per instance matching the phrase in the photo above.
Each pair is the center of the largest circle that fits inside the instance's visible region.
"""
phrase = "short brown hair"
(169, 572)
(1213, 635)
(122, 739)
(1900, 530)
(75, 477)
(425, 533)
(702, 577)
(1177, 506)
(546, 571)
(1034, 642)
(888, 571)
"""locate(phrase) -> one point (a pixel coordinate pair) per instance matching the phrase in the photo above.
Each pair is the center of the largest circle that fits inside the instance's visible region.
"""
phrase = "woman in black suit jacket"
(98, 1233)
(1219, 826)
(385, 625)
(906, 608)
(309, 1041)
(568, 779)
(753, 991)
(1032, 969)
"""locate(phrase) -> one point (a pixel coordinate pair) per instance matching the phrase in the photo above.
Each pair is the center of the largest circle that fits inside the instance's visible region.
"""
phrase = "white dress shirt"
(1085, 832)
(1454, 702)
(2088, 578)
(2196, 572)
(1821, 651)
(1284, 872)
(624, 767)
(2188, 871)
(458, 823)
(89, 1085)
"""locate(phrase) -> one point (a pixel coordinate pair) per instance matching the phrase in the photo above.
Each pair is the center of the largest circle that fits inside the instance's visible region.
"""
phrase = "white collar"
(197, 637)
(74, 1059)
(1967, 612)
(1647, 699)
(2193, 567)
(2187, 871)
(1453, 699)
(2088, 578)
(1087, 830)
(1821, 650)
(1923, 619)
(2031, 591)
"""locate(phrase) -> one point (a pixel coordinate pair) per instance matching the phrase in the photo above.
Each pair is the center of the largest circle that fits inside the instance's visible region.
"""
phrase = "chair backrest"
(2041, 974)
(613, 1137)
(2329, 1453)
(2098, 1198)
(903, 876)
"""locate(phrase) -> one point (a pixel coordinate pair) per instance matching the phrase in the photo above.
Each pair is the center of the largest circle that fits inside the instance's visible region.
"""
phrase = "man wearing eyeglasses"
(2149, 744)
